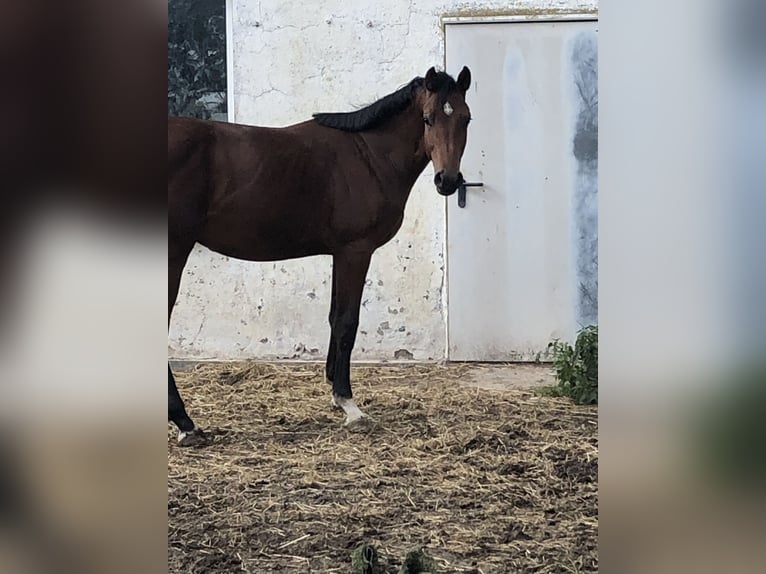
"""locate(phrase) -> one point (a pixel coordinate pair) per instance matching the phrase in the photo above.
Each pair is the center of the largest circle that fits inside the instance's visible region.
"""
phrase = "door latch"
(461, 191)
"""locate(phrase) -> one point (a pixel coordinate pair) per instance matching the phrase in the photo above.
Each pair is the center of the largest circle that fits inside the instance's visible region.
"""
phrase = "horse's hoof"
(360, 423)
(196, 437)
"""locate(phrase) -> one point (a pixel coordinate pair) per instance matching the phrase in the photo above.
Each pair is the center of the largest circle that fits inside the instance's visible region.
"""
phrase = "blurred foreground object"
(682, 276)
(82, 217)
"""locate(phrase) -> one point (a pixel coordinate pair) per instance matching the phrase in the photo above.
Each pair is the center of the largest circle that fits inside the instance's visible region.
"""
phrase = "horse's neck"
(400, 148)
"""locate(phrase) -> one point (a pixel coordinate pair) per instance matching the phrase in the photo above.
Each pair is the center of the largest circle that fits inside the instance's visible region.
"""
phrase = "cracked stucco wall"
(291, 59)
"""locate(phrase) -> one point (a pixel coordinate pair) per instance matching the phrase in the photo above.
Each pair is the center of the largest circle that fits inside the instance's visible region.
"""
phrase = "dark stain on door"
(584, 58)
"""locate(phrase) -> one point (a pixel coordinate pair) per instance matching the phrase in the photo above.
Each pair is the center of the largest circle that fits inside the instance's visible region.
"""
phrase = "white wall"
(291, 59)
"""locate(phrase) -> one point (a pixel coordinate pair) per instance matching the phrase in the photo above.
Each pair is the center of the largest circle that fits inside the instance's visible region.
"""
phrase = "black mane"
(384, 109)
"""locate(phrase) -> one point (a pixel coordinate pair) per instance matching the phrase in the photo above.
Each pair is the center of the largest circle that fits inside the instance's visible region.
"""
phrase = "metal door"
(522, 255)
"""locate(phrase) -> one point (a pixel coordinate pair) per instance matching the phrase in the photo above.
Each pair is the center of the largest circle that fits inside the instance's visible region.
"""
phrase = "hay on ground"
(485, 481)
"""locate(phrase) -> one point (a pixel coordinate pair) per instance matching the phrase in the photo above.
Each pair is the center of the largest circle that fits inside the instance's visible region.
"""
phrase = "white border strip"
(230, 60)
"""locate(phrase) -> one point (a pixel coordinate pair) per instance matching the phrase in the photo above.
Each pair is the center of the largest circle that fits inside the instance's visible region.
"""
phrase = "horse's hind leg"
(349, 273)
(188, 433)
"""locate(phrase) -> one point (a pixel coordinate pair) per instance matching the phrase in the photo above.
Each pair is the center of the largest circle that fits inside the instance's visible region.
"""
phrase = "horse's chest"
(386, 224)
(373, 223)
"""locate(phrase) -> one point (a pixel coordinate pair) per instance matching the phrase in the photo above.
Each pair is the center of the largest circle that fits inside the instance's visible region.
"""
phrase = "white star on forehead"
(448, 109)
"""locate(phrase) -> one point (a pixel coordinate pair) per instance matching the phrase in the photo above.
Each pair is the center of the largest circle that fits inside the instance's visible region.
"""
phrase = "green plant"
(364, 560)
(196, 57)
(418, 562)
(577, 367)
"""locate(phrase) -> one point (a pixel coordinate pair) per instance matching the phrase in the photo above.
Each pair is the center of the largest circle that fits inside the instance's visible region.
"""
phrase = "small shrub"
(418, 562)
(364, 560)
(577, 367)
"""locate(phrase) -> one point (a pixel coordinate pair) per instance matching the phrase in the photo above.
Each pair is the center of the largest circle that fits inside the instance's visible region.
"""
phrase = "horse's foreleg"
(349, 271)
(330, 366)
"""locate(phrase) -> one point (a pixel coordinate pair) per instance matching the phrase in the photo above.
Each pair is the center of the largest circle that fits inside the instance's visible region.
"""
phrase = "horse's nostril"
(438, 178)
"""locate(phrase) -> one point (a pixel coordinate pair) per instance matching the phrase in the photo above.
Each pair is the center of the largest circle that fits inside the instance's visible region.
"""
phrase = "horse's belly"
(254, 242)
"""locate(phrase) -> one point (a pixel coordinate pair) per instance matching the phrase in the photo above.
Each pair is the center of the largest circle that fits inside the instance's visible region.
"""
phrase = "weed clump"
(364, 560)
(418, 562)
(577, 367)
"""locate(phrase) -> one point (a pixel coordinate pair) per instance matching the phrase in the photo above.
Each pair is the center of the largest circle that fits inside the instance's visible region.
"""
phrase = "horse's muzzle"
(445, 184)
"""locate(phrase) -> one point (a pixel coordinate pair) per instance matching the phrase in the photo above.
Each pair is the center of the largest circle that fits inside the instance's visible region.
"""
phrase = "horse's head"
(446, 117)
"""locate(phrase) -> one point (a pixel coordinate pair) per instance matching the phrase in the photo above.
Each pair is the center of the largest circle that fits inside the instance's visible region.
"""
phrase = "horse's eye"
(428, 119)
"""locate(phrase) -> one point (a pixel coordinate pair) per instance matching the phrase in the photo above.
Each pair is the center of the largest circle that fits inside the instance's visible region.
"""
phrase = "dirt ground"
(467, 462)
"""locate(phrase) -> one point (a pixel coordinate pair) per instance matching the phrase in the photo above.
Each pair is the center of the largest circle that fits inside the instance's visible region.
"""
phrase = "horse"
(336, 184)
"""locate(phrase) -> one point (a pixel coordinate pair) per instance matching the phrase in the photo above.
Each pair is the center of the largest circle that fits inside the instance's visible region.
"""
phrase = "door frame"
(552, 16)
(511, 18)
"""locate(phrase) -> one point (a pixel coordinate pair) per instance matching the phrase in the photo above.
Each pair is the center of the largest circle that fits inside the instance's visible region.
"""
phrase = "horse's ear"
(431, 83)
(464, 79)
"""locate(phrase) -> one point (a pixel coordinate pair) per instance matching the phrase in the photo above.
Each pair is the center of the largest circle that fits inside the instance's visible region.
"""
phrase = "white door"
(522, 254)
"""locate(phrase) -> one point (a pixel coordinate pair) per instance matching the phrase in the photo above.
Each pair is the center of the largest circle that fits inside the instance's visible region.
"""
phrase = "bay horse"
(333, 185)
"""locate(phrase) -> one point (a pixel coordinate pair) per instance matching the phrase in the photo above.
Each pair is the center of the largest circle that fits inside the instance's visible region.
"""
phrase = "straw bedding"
(485, 481)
